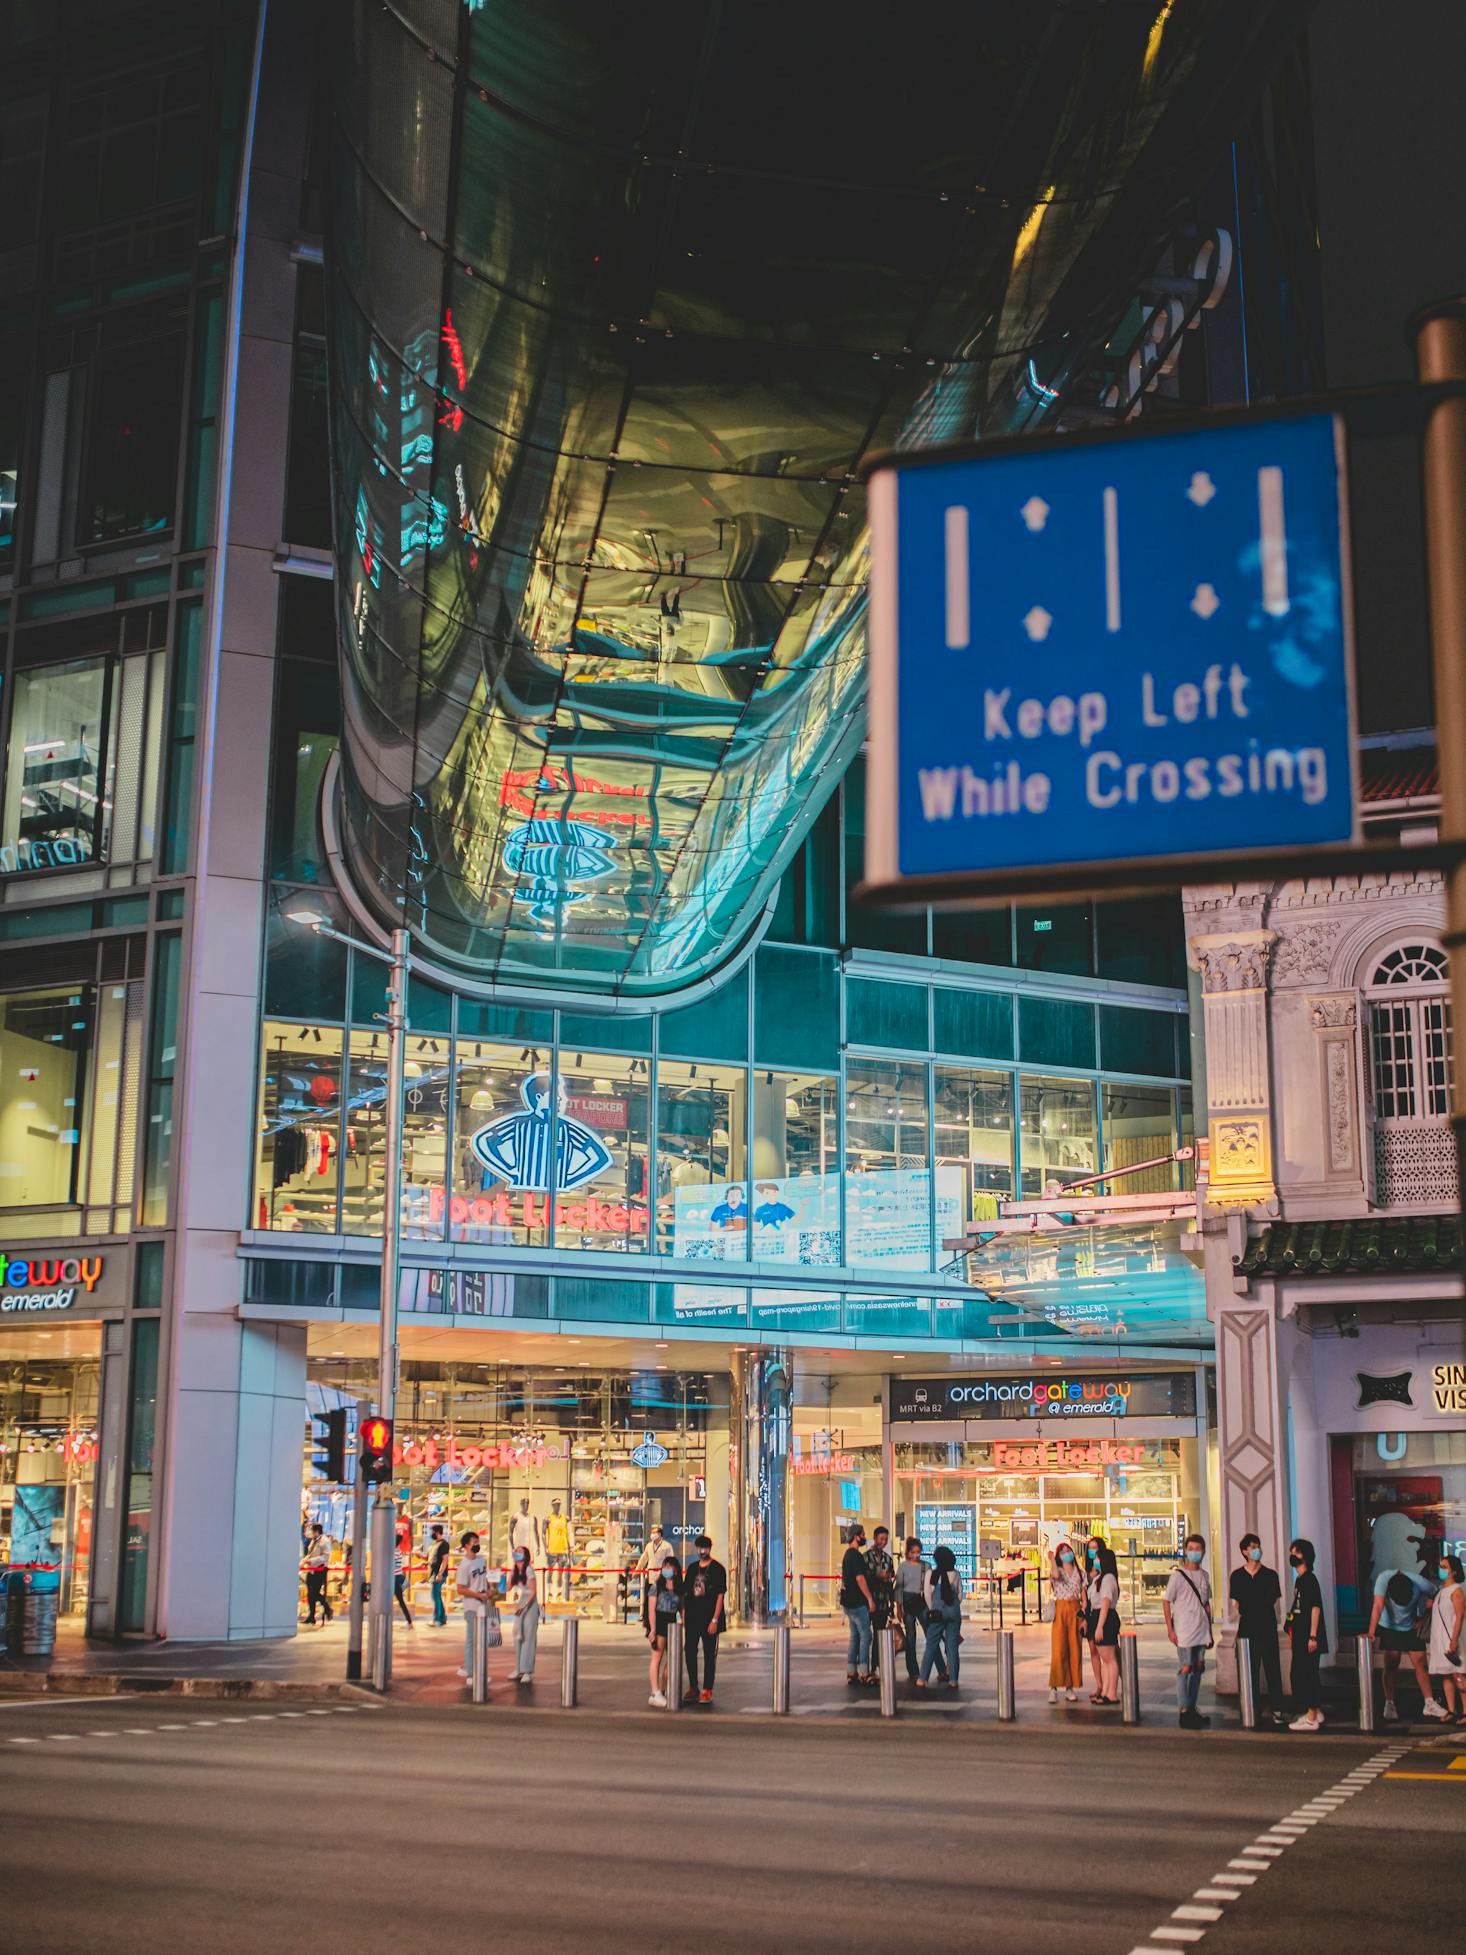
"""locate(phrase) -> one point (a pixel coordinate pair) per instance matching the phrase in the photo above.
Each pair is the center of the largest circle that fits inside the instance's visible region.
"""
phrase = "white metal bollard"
(676, 1673)
(886, 1663)
(781, 1669)
(1364, 1668)
(1007, 1692)
(479, 1678)
(1129, 1678)
(569, 1664)
(1246, 1685)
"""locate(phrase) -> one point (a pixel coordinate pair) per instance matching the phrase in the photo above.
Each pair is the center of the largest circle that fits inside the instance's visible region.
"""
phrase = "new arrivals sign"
(1065, 1395)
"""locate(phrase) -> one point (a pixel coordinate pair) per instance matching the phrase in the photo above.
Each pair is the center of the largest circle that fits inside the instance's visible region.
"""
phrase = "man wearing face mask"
(1187, 1606)
(1254, 1593)
(704, 1598)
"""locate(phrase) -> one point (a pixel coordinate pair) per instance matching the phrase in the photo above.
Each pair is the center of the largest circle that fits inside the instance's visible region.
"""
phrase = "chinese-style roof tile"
(1376, 1245)
(1399, 773)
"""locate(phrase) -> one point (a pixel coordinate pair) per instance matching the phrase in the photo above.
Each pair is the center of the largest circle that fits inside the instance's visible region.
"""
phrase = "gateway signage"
(1164, 1395)
(36, 1283)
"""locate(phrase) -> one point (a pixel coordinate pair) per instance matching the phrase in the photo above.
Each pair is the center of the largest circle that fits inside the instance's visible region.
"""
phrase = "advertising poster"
(796, 1219)
(949, 1524)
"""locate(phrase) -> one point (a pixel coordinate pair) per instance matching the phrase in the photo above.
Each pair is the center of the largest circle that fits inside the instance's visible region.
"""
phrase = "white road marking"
(1234, 1880)
(64, 1737)
(1251, 1866)
(1189, 1913)
(39, 1703)
(22, 1741)
(170, 1727)
(1177, 1934)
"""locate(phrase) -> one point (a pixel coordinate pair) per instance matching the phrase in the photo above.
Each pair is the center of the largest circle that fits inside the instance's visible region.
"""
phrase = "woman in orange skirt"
(1066, 1663)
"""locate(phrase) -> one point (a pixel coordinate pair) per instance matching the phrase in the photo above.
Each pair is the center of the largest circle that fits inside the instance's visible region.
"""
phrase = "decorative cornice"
(1304, 955)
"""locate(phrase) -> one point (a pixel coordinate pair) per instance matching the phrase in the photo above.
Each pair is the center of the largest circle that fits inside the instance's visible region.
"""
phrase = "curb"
(41, 1683)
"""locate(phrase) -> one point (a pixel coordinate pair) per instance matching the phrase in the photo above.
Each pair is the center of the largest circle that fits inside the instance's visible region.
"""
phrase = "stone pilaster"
(1233, 966)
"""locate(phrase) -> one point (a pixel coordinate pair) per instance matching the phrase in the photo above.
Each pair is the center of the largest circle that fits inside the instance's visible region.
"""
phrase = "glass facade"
(49, 1413)
(597, 473)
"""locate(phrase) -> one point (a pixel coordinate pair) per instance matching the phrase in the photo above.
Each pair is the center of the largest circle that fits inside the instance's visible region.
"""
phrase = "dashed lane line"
(1190, 1921)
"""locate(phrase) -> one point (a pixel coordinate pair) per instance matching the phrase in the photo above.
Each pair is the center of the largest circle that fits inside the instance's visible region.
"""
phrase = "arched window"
(1410, 1034)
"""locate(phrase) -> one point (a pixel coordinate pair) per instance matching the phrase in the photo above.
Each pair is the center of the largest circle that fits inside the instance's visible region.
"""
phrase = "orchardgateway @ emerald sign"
(30, 1276)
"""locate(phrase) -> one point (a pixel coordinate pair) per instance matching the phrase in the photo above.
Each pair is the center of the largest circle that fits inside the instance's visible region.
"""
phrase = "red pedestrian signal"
(376, 1451)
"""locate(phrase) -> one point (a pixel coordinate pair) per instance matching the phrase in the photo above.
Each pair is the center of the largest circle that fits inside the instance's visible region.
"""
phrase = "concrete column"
(1256, 1354)
(760, 1421)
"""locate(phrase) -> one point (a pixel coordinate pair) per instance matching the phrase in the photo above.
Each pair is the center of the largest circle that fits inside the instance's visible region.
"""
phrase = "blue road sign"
(1098, 654)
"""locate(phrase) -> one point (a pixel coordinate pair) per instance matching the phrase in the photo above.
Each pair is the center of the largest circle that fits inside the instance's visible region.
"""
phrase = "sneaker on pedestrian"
(707, 1697)
(658, 1699)
(462, 1673)
(1053, 1696)
(1389, 1713)
(1306, 1723)
(1071, 1696)
(1434, 1708)
(689, 1696)
(1194, 1721)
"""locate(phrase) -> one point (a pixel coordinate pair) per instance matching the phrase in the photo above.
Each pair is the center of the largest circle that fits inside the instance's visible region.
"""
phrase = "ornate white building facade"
(1331, 1234)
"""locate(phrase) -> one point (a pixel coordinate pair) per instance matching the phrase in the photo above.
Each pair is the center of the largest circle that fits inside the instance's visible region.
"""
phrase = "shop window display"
(575, 1464)
(484, 1206)
(702, 1163)
(298, 1171)
(1057, 1133)
(1010, 1502)
(427, 1092)
(974, 1132)
(1399, 1503)
(602, 1199)
(888, 1184)
(1139, 1125)
(48, 1463)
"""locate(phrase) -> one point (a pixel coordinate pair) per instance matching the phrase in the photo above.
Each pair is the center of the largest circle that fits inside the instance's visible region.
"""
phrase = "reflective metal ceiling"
(620, 296)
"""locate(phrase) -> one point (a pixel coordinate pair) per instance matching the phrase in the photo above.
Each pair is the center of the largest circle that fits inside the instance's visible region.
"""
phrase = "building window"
(1057, 1133)
(1139, 1126)
(132, 441)
(702, 1161)
(45, 1044)
(1410, 1035)
(1410, 1046)
(974, 1128)
(58, 799)
(602, 1144)
(298, 1166)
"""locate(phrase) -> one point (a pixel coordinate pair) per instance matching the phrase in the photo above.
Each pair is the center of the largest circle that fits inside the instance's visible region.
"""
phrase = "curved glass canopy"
(620, 298)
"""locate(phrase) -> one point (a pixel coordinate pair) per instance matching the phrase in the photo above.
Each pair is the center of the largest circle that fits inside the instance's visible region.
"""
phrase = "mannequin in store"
(524, 1532)
(656, 1551)
(557, 1550)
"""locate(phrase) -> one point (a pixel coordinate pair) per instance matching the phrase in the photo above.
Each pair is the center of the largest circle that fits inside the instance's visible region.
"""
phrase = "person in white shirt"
(1187, 1606)
(473, 1593)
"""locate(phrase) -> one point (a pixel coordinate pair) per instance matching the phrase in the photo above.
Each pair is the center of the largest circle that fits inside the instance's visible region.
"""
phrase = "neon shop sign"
(429, 1453)
(59, 854)
(46, 1282)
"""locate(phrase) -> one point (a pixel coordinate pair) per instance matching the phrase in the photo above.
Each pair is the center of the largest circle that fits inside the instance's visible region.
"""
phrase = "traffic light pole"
(358, 1577)
(384, 1507)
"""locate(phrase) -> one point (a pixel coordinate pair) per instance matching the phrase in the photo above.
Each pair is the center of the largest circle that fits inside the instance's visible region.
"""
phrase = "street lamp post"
(384, 1507)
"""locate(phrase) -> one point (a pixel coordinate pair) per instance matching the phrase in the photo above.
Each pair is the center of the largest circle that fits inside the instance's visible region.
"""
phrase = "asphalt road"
(139, 1825)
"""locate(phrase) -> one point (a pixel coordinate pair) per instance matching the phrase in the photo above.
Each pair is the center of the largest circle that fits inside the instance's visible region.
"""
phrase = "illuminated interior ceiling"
(619, 300)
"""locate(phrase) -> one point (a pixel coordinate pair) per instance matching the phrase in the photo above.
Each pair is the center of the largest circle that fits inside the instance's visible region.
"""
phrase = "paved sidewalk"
(612, 1673)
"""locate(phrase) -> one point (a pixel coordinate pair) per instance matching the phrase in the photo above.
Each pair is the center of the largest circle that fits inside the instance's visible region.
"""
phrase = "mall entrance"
(50, 1384)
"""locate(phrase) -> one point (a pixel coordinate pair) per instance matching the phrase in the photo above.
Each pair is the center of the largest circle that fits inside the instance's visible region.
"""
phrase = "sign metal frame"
(885, 887)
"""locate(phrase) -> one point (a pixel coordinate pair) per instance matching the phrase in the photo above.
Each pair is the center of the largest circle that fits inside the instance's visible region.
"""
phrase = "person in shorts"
(1397, 1623)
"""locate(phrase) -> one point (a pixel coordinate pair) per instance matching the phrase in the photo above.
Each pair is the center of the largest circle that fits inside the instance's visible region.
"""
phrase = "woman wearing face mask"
(1443, 1656)
(911, 1574)
(944, 1610)
(661, 1607)
(1306, 1637)
(1066, 1654)
(1102, 1620)
(524, 1599)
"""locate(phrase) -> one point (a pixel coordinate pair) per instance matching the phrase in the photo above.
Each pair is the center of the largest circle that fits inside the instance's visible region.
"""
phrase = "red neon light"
(454, 345)
(375, 1434)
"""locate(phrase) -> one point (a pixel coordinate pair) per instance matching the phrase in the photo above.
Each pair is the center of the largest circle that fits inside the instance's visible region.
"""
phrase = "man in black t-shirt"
(855, 1600)
(704, 1611)
(1254, 1594)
